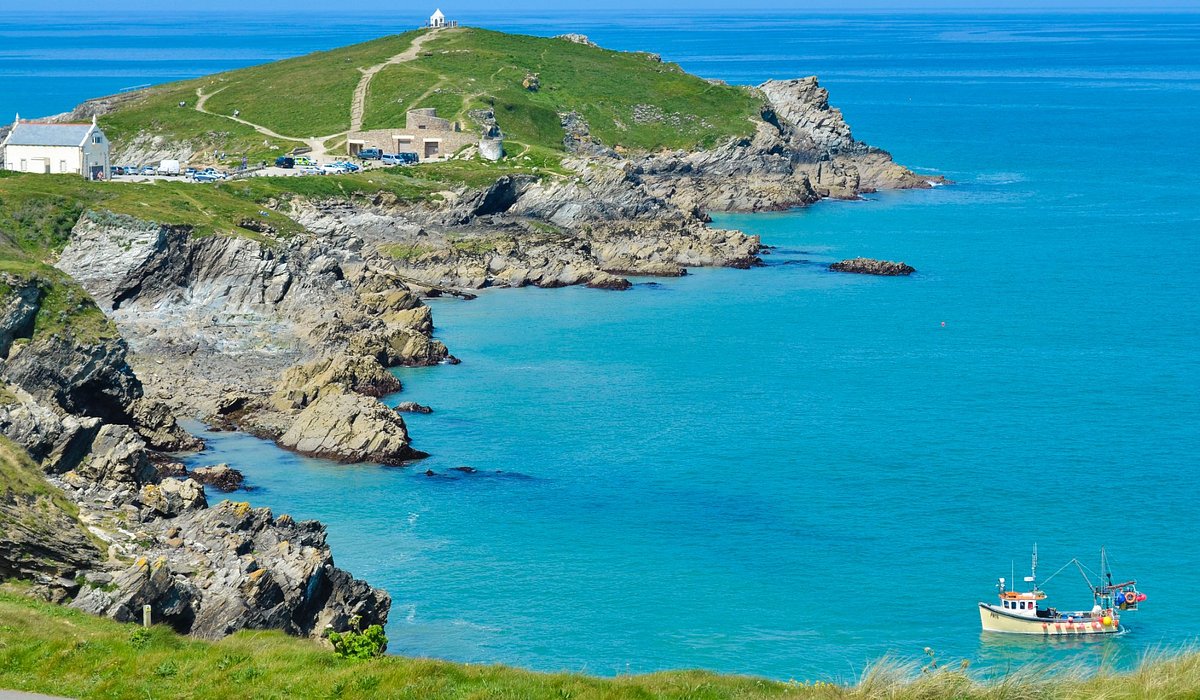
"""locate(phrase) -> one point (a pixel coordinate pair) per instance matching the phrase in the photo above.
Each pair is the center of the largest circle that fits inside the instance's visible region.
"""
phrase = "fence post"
(146, 611)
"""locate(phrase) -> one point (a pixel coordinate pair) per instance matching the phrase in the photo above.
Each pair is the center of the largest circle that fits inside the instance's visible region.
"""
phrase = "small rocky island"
(870, 266)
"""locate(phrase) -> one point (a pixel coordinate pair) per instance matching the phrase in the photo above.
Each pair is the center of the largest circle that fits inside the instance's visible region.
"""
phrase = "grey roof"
(39, 134)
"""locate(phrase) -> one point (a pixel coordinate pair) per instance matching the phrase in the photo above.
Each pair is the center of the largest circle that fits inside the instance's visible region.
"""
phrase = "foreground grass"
(50, 649)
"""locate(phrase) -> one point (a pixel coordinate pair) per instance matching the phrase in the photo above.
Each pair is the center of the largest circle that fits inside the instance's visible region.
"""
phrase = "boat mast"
(1033, 569)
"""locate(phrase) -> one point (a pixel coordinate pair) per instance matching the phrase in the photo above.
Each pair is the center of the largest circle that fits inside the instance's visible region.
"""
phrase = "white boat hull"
(996, 619)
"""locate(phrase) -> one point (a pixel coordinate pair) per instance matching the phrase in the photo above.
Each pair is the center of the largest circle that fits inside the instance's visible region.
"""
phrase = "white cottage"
(44, 147)
(437, 19)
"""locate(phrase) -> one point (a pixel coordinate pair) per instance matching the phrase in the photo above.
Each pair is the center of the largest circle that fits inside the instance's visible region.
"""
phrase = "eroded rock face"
(803, 150)
(212, 571)
(156, 424)
(349, 427)
(170, 497)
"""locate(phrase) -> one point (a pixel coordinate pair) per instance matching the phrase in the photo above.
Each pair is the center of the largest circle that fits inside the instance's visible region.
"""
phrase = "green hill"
(630, 100)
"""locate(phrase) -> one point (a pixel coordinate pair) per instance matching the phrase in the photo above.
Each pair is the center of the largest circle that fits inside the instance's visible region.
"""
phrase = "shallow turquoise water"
(791, 472)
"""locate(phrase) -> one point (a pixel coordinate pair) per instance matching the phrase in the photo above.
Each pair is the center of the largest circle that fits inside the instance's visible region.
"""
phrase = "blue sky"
(405, 9)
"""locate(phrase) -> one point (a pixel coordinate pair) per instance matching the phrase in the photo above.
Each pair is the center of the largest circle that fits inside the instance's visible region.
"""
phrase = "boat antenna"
(1033, 569)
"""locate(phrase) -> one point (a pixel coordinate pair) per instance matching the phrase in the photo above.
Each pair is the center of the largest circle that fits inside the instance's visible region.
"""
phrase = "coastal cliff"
(88, 514)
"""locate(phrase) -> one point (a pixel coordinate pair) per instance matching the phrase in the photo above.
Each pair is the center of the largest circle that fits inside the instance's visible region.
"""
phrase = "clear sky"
(405, 8)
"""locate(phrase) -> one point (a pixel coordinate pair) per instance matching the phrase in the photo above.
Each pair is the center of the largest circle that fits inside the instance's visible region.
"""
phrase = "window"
(97, 139)
(62, 166)
(1022, 605)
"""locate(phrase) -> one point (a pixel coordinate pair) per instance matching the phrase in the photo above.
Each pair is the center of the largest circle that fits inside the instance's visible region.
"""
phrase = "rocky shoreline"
(293, 339)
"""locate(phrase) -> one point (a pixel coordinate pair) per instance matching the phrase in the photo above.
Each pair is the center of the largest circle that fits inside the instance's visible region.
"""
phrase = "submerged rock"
(412, 407)
(870, 266)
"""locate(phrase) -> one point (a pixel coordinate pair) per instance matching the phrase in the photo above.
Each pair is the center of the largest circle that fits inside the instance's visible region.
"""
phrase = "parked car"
(309, 170)
(148, 170)
(304, 160)
(334, 169)
(287, 162)
(370, 154)
(168, 167)
(116, 170)
(348, 166)
(191, 172)
(206, 177)
(399, 158)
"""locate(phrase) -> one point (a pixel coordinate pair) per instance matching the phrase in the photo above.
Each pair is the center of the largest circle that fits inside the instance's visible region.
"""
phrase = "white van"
(168, 167)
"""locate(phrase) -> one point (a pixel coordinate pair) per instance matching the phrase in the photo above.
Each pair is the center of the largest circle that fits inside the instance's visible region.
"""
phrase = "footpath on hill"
(316, 144)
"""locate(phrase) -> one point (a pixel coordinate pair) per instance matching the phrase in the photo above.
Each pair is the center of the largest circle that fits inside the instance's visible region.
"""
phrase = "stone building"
(425, 133)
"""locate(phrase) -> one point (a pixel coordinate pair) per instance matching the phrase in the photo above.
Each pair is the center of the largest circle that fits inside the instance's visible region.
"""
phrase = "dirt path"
(358, 105)
(316, 143)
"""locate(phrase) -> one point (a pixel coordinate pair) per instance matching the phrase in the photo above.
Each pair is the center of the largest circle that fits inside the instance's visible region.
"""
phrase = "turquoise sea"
(786, 471)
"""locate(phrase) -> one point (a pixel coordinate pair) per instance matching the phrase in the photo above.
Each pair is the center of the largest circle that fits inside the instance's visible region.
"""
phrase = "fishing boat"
(1023, 612)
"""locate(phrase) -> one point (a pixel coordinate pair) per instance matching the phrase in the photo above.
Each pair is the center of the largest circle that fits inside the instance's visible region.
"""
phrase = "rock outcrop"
(220, 476)
(801, 151)
(869, 266)
(348, 427)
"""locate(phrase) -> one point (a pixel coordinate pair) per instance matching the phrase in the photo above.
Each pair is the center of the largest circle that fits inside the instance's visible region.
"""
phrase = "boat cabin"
(1025, 604)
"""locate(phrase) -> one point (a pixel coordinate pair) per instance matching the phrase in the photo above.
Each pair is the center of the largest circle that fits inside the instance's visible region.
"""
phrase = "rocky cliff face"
(216, 317)
(86, 511)
(802, 151)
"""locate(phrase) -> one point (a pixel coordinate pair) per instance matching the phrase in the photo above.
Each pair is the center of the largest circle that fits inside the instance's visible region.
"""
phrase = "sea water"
(793, 472)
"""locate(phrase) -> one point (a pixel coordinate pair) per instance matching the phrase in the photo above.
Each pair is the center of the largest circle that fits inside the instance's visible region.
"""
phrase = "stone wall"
(425, 134)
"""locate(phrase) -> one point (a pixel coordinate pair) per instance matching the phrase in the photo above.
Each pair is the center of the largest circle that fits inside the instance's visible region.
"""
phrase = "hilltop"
(631, 101)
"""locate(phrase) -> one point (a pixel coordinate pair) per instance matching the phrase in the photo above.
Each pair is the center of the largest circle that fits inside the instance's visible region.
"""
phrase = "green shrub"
(359, 644)
(140, 638)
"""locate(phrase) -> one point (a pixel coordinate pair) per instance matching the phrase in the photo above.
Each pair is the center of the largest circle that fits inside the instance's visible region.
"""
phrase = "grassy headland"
(630, 100)
(52, 649)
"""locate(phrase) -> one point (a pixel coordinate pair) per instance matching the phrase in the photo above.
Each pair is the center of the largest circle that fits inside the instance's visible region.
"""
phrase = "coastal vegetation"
(632, 100)
(629, 100)
(52, 649)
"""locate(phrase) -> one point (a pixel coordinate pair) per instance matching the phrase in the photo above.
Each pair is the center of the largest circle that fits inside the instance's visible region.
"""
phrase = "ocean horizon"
(786, 471)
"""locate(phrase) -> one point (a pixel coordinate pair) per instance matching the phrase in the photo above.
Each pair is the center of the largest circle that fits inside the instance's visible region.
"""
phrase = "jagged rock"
(350, 428)
(578, 39)
(532, 82)
(156, 423)
(605, 280)
(219, 476)
(84, 378)
(412, 407)
(170, 497)
(56, 440)
(869, 266)
(118, 459)
(172, 598)
(400, 347)
(303, 384)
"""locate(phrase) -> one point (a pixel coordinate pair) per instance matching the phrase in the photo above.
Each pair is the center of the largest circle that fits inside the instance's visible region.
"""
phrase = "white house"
(437, 19)
(43, 147)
